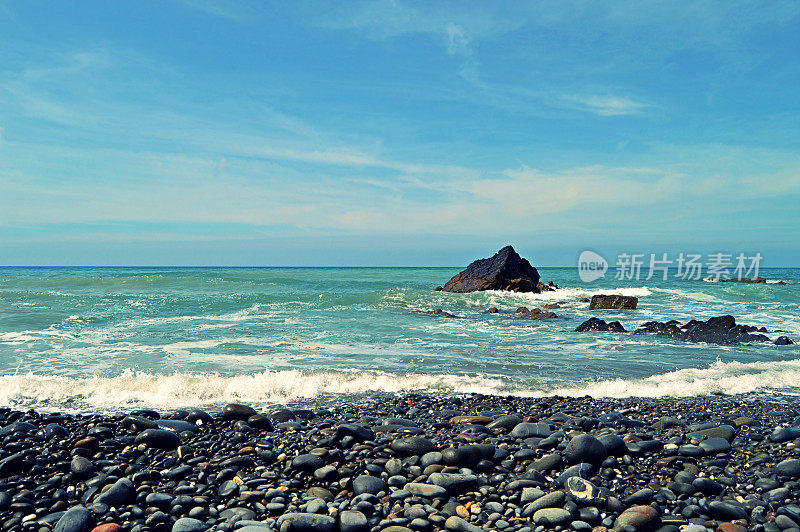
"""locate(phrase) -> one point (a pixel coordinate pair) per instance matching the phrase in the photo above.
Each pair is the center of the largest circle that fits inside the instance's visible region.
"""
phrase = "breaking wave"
(141, 389)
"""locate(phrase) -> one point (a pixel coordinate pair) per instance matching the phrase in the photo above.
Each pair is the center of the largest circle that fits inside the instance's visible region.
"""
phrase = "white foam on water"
(719, 377)
(141, 389)
(565, 294)
(134, 389)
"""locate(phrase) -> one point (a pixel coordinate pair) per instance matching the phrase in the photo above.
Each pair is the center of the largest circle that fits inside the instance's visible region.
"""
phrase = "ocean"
(109, 339)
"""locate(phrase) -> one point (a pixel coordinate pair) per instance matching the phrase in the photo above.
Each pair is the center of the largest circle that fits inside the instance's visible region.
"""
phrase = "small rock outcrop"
(613, 302)
(506, 270)
(717, 330)
(536, 314)
(596, 324)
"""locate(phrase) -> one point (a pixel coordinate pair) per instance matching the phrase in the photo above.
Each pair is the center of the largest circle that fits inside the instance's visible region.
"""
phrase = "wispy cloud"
(605, 105)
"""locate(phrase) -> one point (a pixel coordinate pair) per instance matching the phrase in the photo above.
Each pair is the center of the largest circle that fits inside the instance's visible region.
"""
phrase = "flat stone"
(454, 483)
(426, 490)
(302, 522)
(715, 445)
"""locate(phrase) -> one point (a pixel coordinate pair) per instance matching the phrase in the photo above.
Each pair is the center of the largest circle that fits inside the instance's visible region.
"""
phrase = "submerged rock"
(505, 270)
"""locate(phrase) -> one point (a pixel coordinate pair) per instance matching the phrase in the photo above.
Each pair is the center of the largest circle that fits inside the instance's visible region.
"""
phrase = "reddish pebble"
(107, 527)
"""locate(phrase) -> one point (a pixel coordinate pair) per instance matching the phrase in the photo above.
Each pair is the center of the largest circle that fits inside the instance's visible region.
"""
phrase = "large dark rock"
(613, 302)
(718, 330)
(506, 270)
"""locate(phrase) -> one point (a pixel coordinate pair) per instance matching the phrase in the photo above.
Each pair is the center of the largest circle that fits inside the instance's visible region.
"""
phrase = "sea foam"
(134, 389)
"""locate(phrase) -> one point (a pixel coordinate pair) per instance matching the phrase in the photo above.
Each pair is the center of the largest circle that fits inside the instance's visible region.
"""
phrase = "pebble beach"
(410, 462)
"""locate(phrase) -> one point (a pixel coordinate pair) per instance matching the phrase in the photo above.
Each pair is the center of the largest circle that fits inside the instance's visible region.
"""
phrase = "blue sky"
(396, 133)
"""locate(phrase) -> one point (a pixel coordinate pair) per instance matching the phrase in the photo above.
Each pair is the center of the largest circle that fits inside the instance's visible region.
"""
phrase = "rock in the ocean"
(613, 302)
(717, 330)
(596, 324)
(506, 270)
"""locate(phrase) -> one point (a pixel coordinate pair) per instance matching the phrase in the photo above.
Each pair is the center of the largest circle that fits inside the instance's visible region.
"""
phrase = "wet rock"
(613, 302)
(235, 411)
(506, 270)
(158, 438)
(596, 324)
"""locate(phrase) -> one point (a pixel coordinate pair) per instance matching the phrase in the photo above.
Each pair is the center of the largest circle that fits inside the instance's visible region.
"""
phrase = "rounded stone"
(368, 484)
(188, 524)
(585, 448)
(413, 445)
(120, 493)
(788, 468)
(640, 517)
(158, 438)
(352, 521)
(551, 517)
(76, 519)
(236, 411)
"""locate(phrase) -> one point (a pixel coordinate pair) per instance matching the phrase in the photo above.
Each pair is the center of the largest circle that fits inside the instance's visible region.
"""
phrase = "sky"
(393, 133)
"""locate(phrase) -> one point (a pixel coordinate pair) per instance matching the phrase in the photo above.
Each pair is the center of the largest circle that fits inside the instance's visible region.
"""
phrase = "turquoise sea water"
(107, 338)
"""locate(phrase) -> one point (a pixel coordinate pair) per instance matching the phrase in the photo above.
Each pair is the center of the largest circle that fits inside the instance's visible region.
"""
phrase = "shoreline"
(419, 462)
